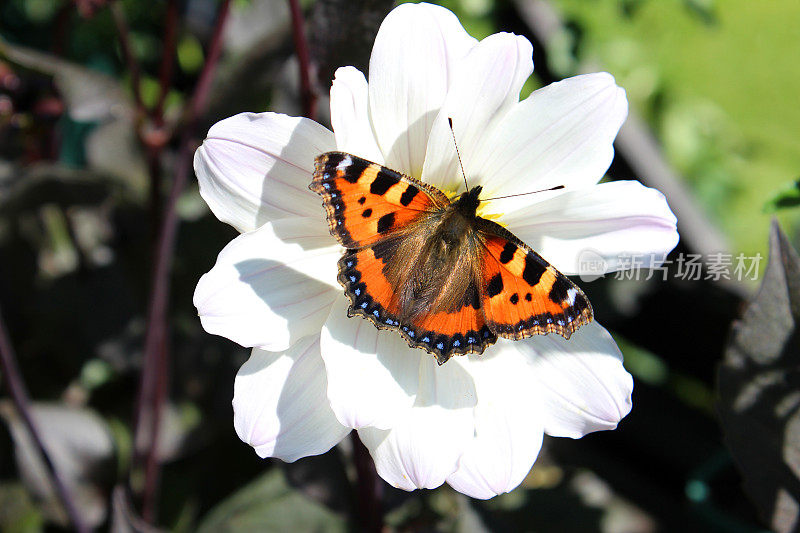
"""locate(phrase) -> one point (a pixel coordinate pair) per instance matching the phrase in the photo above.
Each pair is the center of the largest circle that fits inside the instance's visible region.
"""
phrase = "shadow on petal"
(298, 153)
(402, 156)
(302, 301)
(280, 403)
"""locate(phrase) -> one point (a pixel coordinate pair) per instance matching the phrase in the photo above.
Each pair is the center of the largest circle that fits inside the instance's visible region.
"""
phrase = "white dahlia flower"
(314, 374)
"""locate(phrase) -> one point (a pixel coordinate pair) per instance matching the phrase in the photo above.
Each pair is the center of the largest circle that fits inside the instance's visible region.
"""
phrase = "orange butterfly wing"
(373, 297)
(370, 209)
(366, 202)
(524, 295)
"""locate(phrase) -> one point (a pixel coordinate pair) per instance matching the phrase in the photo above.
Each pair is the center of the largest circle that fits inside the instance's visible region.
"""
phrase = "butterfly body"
(448, 280)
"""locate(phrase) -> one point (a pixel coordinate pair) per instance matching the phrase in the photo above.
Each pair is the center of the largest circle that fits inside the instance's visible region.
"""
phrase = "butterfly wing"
(524, 295)
(366, 202)
(459, 329)
(381, 217)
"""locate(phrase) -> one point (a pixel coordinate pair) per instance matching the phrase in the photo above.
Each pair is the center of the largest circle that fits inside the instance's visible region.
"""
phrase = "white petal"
(271, 286)
(561, 134)
(280, 406)
(583, 384)
(373, 376)
(423, 447)
(508, 424)
(614, 222)
(256, 167)
(350, 115)
(486, 83)
(409, 74)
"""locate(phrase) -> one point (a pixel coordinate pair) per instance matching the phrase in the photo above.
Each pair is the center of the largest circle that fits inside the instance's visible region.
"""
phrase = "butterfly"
(449, 281)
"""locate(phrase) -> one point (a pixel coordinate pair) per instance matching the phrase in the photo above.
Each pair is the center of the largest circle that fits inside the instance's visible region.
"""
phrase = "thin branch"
(168, 51)
(153, 386)
(301, 48)
(132, 64)
(201, 90)
(19, 395)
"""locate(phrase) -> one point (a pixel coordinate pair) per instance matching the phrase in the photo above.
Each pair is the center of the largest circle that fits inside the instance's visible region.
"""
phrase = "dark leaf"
(124, 518)
(81, 448)
(759, 390)
(90, 96)
(269, 504)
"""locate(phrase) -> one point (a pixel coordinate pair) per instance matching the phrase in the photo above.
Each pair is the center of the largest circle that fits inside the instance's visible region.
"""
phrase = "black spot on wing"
(386, 222)
(533, 270)
(333, 159)
(354, 170)
(558, 293)
(495, 285)
(514, 298)
(508, 252)
(383, 182)
(362, 200)
(408, 195)
(385, 250)
(366, 213)
(472, 298)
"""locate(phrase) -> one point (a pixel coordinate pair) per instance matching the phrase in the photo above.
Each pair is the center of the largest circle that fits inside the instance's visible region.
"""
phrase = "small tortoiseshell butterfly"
(446, 279)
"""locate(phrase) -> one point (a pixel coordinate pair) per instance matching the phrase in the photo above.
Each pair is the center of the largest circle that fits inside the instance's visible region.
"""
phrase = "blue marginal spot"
(549, 320)
(440, 345)
(471, 340)
(560, 322)
(326, 185)
(349, 264)
(411, 334)
(353, 279)
(426, 339)
(376, 313)
(363, 305)
(357, 292)
(485, 334)
(456, 342)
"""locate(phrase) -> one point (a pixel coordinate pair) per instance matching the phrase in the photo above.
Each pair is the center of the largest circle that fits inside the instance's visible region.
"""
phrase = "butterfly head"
(468, 202)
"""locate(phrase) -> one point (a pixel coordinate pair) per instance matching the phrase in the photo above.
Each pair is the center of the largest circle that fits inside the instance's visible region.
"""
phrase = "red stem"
(369, 489)
(19, 395)
(153, 385)
(167, 60)
(301, 48)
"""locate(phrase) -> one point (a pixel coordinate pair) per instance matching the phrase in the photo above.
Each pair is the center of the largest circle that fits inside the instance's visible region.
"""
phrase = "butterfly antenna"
(557, 187)
(460, 164)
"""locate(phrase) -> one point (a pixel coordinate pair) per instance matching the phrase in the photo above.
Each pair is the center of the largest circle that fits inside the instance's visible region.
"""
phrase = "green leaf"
(759, 390)
(788, 196)
(270, 504)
